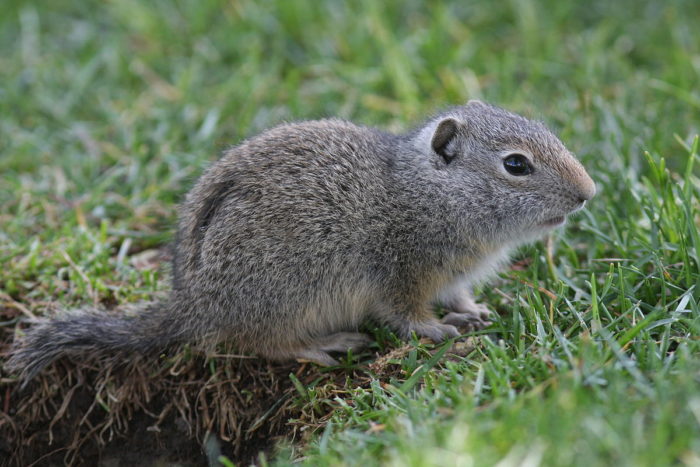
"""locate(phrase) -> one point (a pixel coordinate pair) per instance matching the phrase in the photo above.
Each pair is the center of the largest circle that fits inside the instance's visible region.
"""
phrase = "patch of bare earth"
(181, 408)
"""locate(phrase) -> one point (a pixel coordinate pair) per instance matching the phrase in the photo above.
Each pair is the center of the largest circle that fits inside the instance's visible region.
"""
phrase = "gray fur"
(298, 235)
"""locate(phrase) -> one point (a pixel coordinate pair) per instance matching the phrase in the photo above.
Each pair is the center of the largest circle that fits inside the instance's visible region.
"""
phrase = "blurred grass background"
(110, 109)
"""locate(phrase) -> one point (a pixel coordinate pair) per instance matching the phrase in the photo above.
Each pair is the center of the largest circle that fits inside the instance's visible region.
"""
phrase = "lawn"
(110, 110)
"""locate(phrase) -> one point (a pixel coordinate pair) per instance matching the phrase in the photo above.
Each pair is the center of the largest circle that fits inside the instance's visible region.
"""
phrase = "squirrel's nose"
(586, 187)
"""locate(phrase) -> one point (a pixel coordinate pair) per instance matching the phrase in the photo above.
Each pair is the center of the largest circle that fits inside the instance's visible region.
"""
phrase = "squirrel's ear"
(443, 135)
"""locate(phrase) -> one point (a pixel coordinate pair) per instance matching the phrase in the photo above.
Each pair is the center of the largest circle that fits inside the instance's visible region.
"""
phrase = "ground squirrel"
(298, 235)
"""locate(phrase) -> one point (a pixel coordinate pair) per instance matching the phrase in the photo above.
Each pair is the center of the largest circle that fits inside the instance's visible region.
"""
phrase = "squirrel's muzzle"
(586, 188)
(583, 184)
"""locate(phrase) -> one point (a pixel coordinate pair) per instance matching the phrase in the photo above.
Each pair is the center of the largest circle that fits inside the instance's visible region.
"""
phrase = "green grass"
(109, 111)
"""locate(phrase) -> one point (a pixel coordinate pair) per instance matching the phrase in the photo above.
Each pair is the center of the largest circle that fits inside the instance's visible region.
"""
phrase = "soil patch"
(181, 408)
(151, 413)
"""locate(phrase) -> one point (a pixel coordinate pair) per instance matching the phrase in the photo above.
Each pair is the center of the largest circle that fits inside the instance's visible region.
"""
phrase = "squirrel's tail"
(91, 332)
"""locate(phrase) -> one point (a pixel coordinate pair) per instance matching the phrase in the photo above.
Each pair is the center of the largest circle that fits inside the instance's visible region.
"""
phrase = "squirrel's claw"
(465, 320)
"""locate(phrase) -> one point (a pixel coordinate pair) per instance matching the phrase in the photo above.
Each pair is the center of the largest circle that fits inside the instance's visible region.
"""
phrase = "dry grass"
(75, 410)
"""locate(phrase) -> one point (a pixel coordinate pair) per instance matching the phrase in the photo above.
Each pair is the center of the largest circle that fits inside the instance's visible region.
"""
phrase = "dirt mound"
(85, 412)
(178, 408)
(181, 408)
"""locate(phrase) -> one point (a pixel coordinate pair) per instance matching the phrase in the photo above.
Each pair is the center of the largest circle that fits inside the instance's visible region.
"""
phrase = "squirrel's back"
(314, 184)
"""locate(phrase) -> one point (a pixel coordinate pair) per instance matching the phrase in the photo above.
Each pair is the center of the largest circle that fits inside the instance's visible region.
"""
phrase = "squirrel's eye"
(517, 164)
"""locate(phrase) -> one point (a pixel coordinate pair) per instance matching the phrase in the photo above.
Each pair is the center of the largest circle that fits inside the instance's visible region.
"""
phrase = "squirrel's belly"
(342, 308)
(476, 272)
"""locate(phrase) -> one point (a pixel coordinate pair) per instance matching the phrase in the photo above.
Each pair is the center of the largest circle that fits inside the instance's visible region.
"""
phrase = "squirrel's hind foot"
(339, 342)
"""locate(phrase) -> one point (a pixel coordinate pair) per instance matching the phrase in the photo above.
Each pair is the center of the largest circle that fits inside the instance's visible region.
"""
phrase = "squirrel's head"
(515, 179)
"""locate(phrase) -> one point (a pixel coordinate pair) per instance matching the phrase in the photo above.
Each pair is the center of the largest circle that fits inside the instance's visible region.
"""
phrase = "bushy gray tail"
(91, 332)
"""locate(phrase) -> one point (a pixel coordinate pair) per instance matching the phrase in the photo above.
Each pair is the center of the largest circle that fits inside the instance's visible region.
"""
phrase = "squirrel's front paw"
(433, 330)
(467, 306)
(466, 321)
